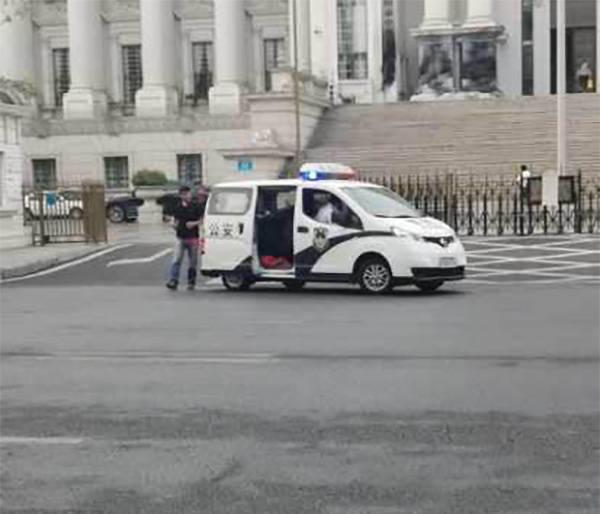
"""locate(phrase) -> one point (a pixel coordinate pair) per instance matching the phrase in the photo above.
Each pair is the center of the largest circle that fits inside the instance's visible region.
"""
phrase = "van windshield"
(381, 202)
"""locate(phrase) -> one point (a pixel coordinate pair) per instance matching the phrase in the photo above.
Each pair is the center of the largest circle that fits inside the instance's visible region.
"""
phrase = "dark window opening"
(580, 48)
(527, 47)
(132, 72)
(44, 173)
(352, 40)
(189, 169)
(203, 66)
(62, 77)
(274, 50)
(116, 172)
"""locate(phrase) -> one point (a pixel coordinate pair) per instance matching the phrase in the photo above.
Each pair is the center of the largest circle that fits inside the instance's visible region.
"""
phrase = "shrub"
(149, 178)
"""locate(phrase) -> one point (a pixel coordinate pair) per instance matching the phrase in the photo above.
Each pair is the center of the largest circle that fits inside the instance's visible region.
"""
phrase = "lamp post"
(561, 143)
(296, 86)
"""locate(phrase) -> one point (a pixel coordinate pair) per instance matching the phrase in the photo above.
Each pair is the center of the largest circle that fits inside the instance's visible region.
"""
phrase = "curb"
(45, 264)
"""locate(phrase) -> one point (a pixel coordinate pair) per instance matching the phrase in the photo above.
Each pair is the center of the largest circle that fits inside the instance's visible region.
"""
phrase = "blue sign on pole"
(245, 166)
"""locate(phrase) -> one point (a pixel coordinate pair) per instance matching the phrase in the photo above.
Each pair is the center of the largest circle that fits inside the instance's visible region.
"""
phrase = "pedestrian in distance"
(584, 77)
(187, 218)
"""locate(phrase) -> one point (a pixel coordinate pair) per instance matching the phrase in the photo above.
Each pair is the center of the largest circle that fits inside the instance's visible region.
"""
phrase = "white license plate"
(447, 262)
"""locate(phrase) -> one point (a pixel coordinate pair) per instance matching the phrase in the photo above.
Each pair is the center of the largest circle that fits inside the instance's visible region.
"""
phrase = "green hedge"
(149, 178)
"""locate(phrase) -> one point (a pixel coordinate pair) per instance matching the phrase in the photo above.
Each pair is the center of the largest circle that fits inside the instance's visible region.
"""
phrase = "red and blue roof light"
(326, 171)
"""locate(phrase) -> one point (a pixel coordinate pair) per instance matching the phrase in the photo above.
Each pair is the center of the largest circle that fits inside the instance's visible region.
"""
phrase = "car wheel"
(76, 213)
(236, 282)
(116, 214)
(429, 286)
(375, 276)
(294, 285)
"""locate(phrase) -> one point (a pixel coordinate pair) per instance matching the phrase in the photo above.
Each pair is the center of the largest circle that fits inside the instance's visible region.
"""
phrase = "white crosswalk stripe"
(141, 260)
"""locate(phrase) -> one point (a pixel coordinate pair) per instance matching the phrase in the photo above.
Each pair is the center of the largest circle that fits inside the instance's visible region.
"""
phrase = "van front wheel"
(375, 276)
(236, 282)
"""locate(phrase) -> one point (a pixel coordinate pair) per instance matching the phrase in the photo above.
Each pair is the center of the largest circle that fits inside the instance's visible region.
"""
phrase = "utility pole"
(561, 142)
(296, 87)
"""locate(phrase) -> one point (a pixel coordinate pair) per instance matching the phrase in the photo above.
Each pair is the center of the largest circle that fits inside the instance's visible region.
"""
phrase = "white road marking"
(141, 260)
(562, 279)
(553, 267)
(69, 264)
(158, 357)
(39, 440)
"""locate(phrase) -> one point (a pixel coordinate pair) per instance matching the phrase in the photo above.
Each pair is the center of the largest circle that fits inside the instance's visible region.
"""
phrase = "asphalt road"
(119, 396)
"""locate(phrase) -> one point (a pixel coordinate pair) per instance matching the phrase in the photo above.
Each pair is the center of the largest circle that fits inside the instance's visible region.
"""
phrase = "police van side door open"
(228, 229)
(274, 226)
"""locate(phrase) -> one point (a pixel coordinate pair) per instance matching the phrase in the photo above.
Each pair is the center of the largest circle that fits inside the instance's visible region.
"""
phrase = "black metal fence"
(501, 205)
(63, 215)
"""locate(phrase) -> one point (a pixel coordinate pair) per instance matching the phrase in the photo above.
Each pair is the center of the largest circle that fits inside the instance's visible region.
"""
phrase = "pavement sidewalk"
(25, 260)
(21, 261)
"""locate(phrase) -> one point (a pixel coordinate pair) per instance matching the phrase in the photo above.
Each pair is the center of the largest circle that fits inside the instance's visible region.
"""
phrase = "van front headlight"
(398, 232)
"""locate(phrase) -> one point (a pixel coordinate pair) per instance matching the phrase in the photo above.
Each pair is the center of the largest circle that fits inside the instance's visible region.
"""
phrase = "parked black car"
(121, 209)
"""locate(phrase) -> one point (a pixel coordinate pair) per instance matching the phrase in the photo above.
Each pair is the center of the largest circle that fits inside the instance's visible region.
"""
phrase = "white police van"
(325, 227)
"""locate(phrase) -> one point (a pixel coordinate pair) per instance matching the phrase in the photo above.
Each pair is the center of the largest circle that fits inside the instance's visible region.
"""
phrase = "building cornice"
(131, 125)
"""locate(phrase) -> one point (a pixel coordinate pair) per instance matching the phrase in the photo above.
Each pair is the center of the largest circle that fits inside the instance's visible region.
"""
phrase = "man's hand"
(192, 224)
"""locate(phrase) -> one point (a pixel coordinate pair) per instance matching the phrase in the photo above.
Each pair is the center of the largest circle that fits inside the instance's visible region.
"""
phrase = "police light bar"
(326, 171)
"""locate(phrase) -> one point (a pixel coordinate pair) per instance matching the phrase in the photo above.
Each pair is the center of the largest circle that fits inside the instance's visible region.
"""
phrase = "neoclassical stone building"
(15, 105)
(203, 89)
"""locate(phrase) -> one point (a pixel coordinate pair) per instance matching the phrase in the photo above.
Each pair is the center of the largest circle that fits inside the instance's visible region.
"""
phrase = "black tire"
(236, 282)
(76, 213)
(27, 214)
(294, 285)
(429, 286)
(116, 214)
(374, 276)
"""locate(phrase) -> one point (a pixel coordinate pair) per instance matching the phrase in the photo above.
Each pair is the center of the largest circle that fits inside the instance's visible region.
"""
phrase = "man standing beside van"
(188, 218)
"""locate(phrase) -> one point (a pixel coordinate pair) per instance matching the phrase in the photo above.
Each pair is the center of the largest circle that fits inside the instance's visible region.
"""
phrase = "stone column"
(318, 27)
(436, 15)
(225, 97)
(158, 96)
(86, 97)
(480, 13)
(597, 46)
(303, 21)
(16, 42)
(541, 47)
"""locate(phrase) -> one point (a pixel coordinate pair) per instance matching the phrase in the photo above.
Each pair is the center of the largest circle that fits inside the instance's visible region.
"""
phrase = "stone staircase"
(473, 136)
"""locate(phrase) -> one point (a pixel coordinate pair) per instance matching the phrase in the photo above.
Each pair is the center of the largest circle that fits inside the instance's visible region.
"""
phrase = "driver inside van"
(327, 211)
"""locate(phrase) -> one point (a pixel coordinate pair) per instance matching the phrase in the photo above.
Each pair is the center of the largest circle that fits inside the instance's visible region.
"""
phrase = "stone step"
(487, 133)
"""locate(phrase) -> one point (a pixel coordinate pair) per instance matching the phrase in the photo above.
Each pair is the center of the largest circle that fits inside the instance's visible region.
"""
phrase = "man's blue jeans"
(181, 247)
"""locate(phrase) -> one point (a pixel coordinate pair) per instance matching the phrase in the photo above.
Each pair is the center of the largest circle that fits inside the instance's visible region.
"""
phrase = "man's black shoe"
(191, 286)
(172, 285)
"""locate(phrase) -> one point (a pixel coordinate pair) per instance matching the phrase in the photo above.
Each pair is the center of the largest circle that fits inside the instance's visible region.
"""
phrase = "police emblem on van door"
(320, 239)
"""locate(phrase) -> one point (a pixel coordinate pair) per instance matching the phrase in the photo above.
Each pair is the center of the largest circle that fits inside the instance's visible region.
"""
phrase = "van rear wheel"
(236, 282)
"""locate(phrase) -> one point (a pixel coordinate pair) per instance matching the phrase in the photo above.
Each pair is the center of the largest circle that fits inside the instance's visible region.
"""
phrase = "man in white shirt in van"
(325, 208)
(330, 210)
